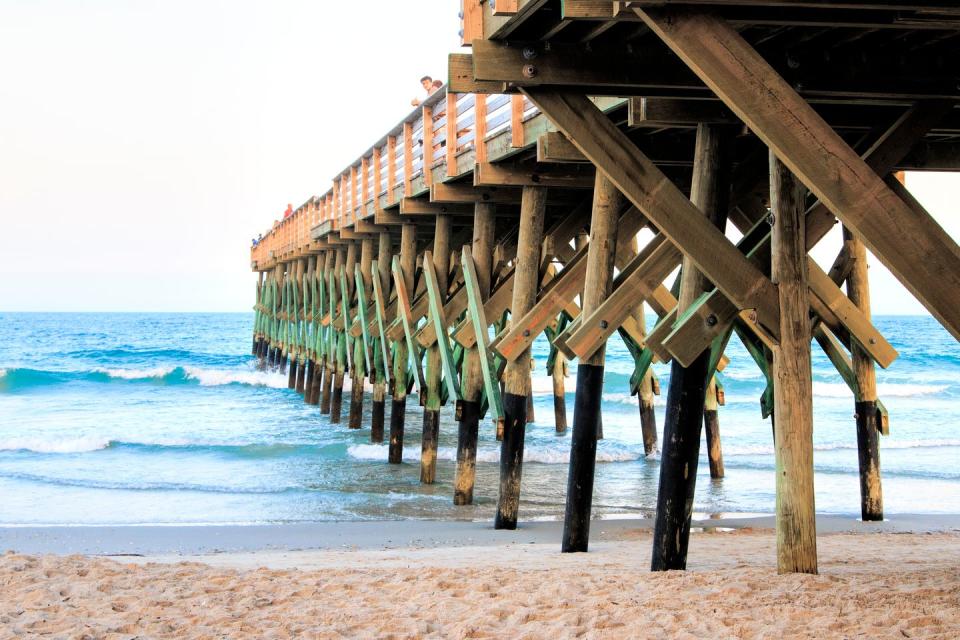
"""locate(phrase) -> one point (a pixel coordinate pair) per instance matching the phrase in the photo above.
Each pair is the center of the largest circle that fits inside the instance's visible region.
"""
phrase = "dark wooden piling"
(378, 410)
(358, 372)
(339, 363)
(431, 401)
(645, 389)
(311, 394)
(687, 391)
(607, 203)
(793, 388)
(865, 402)
(711, 425)
(326, 369)
(484, 224)
(516, 374)
(408, 262)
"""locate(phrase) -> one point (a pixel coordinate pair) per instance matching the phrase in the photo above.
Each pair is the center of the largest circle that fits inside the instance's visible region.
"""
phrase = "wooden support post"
(685, 398)
(484, 223)
(297, 307)
(645, 390)
(868, 431)
(793, 385)
(711, 425)
(431, 401)
(289, 308)
(340, 352)
(516, 375)
(310, 395)
(326, 370)
(359, 371)
(408, 262)
(559, 375)
(607, 202)
(384, 256)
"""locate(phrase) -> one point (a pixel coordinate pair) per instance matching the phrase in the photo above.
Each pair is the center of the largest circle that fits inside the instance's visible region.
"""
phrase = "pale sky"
(144, 142)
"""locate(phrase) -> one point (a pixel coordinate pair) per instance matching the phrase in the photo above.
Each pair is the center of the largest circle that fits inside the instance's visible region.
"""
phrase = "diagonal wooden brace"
(438, 319)
(910, 243)
(476, 311)
(679, 221)
(406, 319)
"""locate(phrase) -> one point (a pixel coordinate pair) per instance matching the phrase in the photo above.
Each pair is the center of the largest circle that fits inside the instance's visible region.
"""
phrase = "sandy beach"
(463, 580)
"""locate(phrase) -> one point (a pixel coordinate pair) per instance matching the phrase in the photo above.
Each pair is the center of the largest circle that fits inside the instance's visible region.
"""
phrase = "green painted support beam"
(437, 318)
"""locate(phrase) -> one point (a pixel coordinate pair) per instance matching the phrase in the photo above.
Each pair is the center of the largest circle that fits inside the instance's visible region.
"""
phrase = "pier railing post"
(793, 385)
(607, 202)
(484, 224)
(516, 375)
(685, 397)
(408, 262)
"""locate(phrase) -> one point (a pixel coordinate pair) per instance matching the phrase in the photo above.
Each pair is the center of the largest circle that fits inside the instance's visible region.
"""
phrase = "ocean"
(136, 418)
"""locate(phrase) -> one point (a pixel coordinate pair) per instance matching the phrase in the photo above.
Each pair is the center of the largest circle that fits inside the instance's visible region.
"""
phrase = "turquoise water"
(163, 418)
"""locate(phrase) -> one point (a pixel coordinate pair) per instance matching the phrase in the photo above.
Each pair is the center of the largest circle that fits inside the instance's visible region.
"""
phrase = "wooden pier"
(508, 205)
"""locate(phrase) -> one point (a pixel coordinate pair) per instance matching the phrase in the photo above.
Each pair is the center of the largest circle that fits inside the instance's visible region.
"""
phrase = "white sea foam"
(136, 374)
(884, 390)
(217, 377)
(886, 443)
(547, 455)
(80, 444)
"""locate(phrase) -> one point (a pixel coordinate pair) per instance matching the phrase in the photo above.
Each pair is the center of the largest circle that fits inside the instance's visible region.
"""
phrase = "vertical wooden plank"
(353, 195)
(451, 158)
(516, 121)
(480, 124)
(377, 177)
(407, 159)
(793, 385)
(364, 181)
(391, 167)
(427, 146)
(471, 26)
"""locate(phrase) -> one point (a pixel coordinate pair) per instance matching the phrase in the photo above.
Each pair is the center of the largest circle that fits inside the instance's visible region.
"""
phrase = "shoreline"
(213, 539)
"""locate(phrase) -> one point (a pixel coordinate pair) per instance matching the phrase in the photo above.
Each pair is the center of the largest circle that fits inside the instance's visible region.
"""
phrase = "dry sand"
(871, 586)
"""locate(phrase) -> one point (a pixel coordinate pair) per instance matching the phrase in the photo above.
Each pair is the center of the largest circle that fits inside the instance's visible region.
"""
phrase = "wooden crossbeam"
(423, 207)
(464, 193)
(659, 199)
(913, 246)
(491, 175)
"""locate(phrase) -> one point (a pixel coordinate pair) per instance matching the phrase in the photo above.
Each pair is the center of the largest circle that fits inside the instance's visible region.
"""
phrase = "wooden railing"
(394, 167)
